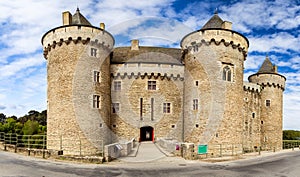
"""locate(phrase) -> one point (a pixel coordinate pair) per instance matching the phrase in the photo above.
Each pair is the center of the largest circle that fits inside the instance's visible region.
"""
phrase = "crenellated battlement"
(194, 46)
(161, 76)
(269, 80)
(252, 87)
(76, 34)
(217, 37)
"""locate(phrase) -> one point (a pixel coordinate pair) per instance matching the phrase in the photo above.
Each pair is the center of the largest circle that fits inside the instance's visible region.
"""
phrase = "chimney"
(134, 44)
(227, 25)
(67, 18)
(102, 26)
(275, 69)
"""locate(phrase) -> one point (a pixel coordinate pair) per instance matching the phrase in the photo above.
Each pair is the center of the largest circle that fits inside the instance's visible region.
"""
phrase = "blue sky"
(272, 27)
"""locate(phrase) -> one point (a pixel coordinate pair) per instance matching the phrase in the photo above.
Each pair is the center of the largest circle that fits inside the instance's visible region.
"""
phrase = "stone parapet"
(76, 33)
(216, 36)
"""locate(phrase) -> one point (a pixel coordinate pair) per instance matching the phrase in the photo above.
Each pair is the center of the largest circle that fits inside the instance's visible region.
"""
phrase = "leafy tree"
(18, 128)
(1, 127)
(32, 123)
(30, 127)
(9, 126)
(2, 118)
(291, 135)
(33, 115)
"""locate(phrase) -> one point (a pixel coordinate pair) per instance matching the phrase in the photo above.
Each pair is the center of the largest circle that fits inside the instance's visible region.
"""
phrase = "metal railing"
(290, 144)
(2, 134)
(74, 145)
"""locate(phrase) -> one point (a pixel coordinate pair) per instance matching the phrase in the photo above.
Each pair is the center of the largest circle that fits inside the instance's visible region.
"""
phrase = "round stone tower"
(273, 85)
(78, 74)
(214, 60)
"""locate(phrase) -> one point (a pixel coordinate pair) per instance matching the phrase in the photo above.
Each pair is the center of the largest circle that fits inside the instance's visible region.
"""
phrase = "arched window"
(226, 73)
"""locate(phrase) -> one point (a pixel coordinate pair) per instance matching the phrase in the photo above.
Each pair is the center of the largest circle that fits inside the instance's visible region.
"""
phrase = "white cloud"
(278, 42)
(255, 14)
(166, 31)
(115, 12)
(22, 67)
(15, 67)
(254, 61)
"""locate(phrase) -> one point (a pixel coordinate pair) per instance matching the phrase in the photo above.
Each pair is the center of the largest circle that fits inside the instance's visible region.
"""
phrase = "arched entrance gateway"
(146, 133)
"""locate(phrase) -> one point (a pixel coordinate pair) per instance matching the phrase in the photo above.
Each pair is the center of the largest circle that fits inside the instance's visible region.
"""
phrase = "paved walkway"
(145, 152)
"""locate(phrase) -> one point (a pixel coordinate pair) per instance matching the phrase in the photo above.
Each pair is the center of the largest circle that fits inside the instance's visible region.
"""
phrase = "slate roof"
(79, 19)
(156, 55)
(214, 22)
(267, 67)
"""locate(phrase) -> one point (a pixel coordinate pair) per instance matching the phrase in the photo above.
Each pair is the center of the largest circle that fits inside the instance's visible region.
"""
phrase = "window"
(167, 108)
(268, 103)
(115, 107)
(141, 108)
(197, 125)
(253, 115)
(226, 73)
(96, 76)
(152, 109)
(194, 46)
(196, 83)
(117, 85)
(96, 101)
(151, 85)
(93, 52)
(195, 104)
(173, 126)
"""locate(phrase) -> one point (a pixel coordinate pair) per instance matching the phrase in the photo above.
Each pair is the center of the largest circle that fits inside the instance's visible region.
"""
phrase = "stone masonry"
(98, 94)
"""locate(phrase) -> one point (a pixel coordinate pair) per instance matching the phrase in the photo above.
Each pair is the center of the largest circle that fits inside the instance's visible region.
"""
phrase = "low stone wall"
(171, 146)
(113, 151)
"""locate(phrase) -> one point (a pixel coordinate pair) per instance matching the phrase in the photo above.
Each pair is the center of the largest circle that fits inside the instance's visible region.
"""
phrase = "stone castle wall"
(208, 52)
(252, 117)
(206, 108)
(71, 88)
(134, 79)
(271, 115)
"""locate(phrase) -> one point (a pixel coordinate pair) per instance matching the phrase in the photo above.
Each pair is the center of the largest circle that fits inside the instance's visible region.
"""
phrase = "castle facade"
(196, 93)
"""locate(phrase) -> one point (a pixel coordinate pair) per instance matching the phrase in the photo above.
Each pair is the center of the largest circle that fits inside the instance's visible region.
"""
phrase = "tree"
(2, 118)
(18, 128)
(32, 123)
(30, 127)
(291, 135)
(9, 126)
(33, 115)
(1, 127)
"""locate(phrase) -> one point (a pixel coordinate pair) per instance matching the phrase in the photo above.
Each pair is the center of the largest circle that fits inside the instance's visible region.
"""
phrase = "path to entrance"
(147, 151)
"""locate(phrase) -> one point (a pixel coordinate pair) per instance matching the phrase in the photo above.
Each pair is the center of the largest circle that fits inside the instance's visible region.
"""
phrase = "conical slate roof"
(79, 19)
(214, 22)
(267, 67)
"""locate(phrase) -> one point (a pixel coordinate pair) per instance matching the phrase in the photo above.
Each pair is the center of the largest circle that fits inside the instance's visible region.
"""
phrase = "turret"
(214, 60)
(273, 85)
(78, 93)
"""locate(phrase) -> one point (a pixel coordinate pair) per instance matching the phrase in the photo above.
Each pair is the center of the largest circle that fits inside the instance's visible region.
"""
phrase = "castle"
(193, 94)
